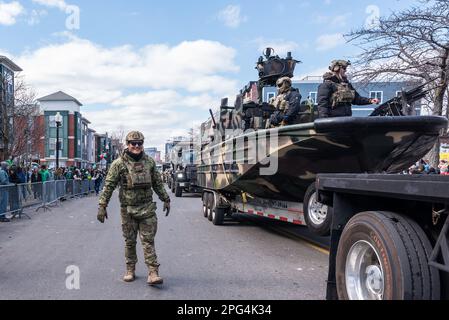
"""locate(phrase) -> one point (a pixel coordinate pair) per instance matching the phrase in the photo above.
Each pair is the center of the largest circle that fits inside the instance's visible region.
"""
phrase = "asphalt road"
(199, 261)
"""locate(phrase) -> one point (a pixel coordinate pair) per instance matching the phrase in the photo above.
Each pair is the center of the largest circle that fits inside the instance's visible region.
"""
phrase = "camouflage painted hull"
(335, 145)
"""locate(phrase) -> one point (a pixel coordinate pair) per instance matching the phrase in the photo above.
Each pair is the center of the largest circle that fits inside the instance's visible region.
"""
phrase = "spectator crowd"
(29, 181)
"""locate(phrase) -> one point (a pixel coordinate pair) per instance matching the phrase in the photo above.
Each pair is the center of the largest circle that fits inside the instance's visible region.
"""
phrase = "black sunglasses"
(136, 143)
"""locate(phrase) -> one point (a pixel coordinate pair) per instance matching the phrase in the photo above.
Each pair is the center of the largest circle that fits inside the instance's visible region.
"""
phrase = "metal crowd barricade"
(9, 201)
(77, 188)
(30, 195)
(15, 198)
(85, 187)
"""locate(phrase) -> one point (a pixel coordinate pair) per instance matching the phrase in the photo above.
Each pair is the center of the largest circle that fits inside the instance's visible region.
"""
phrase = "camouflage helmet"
(281, 81)
(337, 64)
(135, 136)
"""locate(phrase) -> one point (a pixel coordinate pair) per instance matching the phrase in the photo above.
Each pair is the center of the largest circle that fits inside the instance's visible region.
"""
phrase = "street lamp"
(58, 120)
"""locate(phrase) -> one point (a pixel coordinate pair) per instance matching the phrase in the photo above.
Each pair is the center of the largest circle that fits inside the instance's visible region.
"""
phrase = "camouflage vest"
(280, 103)
(343, 96)
(139, 174)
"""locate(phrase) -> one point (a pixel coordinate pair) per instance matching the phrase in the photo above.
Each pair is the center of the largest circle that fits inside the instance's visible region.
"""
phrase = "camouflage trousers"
(140, 221)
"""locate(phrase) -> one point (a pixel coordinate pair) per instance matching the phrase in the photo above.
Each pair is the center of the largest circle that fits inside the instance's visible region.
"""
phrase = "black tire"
(173, 187)
(314, 221)
(218, 215)
(205, 208)
(210, 205)
(178, 191)
(403, 251)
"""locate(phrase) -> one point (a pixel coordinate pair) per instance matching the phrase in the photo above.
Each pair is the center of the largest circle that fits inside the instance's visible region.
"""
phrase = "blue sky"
(157, 66)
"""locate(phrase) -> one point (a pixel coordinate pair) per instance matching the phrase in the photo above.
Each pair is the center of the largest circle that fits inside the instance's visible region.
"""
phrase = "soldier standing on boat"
(287, 104)
(136, 175)
(336, 95)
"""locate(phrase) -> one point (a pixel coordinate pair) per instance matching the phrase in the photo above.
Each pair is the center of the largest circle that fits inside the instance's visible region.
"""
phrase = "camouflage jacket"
(288, 107)
(327, 90)
(118, 175)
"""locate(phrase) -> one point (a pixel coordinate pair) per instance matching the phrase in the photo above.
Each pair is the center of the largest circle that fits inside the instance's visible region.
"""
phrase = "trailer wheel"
(210, 206)
(384, 256)
(317, 215)
(178, 191)
(205, 208)
(218, 215)
(173, 186)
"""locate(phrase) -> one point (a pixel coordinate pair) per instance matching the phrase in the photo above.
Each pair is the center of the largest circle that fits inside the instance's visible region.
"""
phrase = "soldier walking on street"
(137, 176)
(336, 95)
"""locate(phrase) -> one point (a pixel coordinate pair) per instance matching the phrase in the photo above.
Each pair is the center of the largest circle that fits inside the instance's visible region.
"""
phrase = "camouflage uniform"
(336, 95)
(138, 211)
(287, 104)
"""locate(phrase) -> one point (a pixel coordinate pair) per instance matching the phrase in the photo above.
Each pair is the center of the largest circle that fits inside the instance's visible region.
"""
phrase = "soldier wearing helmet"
(287, 103)
(136, 175)
(336, 95)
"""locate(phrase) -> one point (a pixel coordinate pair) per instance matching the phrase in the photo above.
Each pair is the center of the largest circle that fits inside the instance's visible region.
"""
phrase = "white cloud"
(87, 68)
(60, 4)
(158, 89)
(35, 16)
(231, 16)
(9, 12)
(281, 46)
(337, 21)
(329, 41)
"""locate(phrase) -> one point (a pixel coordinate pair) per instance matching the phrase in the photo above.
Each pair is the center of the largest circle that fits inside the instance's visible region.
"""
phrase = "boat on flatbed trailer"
(230, 162)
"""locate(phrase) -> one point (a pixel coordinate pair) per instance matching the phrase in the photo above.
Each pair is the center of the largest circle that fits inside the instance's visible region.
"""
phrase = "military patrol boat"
(387, 141)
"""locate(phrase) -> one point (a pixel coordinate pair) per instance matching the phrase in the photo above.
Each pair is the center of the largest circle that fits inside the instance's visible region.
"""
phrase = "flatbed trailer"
(389, 236)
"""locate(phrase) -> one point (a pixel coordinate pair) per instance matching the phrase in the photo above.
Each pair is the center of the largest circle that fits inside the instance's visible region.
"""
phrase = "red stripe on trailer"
(294, 210)
(271, 216)
(259, 213)
(297, 222)
(284, 219)
(251, 211)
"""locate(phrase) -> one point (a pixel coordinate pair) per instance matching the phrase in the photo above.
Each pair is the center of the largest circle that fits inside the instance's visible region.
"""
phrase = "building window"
(270, 96)
(314, 97)
(377, 95)
(52, 122)
(52, 146)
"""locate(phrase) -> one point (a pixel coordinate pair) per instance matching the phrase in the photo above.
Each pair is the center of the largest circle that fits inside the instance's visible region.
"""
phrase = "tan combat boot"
(130, 275)
(153, 278)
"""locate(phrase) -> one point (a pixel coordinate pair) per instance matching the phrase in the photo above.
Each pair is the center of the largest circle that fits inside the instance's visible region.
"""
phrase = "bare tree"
(118, 139)
(19, 130)
(412, 44)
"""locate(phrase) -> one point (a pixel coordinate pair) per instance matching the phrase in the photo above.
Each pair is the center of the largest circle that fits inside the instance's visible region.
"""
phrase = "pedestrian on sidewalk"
(98, 179)
(4, 192)
(137, 176)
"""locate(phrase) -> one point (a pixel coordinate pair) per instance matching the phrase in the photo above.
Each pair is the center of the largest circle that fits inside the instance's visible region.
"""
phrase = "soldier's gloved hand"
(102, 214)
(167, 207)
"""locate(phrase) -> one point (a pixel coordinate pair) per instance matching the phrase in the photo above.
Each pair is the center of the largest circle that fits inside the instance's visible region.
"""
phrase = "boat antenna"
(213, 118)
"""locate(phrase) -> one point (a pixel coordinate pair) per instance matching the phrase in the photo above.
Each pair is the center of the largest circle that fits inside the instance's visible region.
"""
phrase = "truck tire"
(218, 215)
(205, 208)
(385, 256)
(318, 216)
(173, 187)
(178, 191)
(210, 206)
